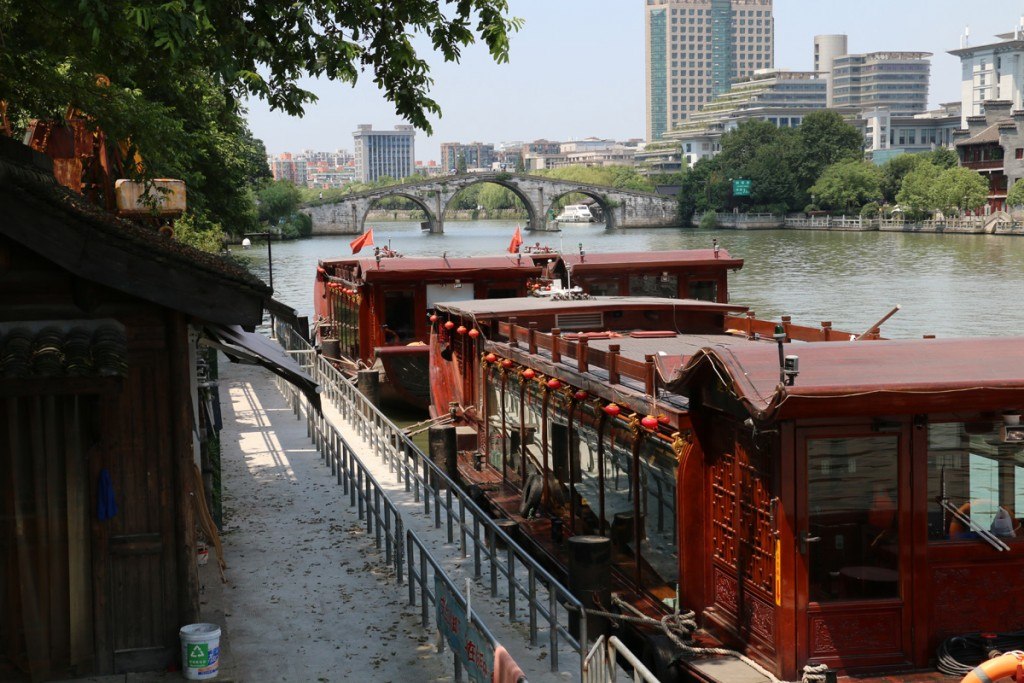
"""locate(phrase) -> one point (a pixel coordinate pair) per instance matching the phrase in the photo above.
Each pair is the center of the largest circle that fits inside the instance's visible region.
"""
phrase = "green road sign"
(741, 187)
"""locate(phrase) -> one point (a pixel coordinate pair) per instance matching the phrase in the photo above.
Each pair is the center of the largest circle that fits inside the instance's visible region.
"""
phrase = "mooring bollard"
(368, 384)
(590, 580)
(443, 452)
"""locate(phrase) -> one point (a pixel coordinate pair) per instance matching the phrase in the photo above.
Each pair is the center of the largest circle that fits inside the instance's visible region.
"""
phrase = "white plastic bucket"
(200, 651)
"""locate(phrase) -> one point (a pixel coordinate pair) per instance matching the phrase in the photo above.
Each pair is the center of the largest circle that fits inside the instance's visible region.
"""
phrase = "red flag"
(517, 241)
(363, 240)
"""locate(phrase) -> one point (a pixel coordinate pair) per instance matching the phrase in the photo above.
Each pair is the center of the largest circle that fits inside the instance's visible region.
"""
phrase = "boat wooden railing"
(576, 346)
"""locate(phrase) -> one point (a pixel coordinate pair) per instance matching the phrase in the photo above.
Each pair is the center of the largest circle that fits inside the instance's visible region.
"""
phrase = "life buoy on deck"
(1007, 666)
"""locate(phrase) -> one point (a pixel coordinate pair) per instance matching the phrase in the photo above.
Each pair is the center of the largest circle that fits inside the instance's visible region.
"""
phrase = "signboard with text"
(468, 643)
(741, 187)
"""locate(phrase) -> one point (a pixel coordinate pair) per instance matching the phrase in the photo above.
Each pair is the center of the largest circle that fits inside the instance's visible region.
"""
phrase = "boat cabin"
(678, 274)
(862, 514)
(365, 303)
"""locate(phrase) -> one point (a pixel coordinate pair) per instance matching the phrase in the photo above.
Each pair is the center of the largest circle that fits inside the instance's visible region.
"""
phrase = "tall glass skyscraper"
(696, 48)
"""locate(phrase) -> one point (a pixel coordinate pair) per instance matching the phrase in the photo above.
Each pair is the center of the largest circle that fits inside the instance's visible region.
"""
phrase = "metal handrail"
(425, 479)
(376, 508)
(601, 666)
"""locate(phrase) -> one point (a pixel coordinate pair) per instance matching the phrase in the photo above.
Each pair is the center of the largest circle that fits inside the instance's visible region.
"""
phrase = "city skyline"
(577, 69)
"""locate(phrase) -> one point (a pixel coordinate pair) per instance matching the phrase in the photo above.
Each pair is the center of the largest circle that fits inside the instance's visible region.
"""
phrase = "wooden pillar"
(504, 428)
(556, 351)
(601, 420)
(582, 349)
(826, 329)
(613, 363)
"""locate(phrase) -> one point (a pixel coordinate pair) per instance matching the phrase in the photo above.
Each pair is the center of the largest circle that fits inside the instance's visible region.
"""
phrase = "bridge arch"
(607, 206)
(418, 201)
(531, 210)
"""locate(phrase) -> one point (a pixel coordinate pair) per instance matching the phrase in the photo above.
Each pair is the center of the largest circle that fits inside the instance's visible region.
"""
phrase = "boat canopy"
(415, 268)
(866, 378)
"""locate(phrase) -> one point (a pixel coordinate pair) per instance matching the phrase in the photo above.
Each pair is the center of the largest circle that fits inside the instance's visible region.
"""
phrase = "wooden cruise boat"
(374, 312)
(814, 500)
(376, 308)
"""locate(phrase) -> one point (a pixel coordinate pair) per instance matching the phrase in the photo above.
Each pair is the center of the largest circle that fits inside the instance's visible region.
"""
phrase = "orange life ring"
(1003, 666)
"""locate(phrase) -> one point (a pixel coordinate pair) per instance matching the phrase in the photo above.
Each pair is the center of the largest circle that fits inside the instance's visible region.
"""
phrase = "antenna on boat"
(714, 245)
(583, 254)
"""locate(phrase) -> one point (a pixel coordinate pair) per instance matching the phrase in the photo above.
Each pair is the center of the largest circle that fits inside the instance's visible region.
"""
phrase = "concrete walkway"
(307, 598)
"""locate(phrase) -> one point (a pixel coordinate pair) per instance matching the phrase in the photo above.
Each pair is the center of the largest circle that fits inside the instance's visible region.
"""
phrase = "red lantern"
(490, 358)
(506, 363)
(554, 383)
(528, 373)
(462, 329)
(580, 395)
(611, 410)
(433, 318)
(449, 325)
(650, 422)
(474, 333)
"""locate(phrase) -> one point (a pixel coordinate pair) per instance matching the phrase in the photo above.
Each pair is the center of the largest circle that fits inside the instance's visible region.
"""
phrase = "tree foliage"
(825, 139)
(930, 188)
(848, 184)
(179, 69)
(1015, 197)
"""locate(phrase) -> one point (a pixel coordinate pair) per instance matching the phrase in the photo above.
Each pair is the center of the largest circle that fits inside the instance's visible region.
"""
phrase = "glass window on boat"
(665, 284)
(975, 482)
(602, 287)
(399, 316)
(502, 292)
(852, 540)
(657, 491)
(704, 290)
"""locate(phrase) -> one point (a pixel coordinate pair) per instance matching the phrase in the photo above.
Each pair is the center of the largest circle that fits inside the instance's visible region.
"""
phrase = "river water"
(947, 285)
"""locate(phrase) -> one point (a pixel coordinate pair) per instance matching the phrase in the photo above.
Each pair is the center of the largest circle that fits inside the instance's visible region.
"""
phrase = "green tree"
(917, 194)
(179, 70)
(960, 188)
(848, 185)
(895, 169)
(1015, 197)
(824, 138)
(278, 200)
(943, 157)
(460, 164)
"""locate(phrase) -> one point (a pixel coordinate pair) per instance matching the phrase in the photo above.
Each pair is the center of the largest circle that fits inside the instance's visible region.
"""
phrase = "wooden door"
(854, 592)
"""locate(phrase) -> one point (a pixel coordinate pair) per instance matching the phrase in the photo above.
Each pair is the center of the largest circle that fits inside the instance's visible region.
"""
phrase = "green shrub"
(709, 220)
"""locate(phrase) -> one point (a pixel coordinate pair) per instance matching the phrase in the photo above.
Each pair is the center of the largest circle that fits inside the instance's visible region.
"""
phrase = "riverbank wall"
(996, 224)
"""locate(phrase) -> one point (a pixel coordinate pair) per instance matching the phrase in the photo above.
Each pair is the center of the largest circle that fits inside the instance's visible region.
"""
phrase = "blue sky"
(577, 69)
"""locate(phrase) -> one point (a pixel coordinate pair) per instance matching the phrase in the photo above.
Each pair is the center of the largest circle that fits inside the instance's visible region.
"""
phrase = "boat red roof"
(650, 259)
(432, 266)
(482, 309)
(868, 377)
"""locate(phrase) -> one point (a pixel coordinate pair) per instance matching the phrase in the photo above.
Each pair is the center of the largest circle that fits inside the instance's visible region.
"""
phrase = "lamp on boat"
(474, 333)
(580, 395)
(457, 284)
(461, 329)
(554, 383)
(490, 358)
(665, 276)
(449, 325)
(528, 373)
(650, 422)
(611, 410)
(433, 318)
(714, 245)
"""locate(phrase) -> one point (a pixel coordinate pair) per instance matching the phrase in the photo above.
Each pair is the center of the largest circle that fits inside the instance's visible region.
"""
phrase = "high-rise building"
(473, 155)
(696, 49)
(826, 49)
(994, 71)
(380, 153)
(897, 81)
(782, 98)
(288, 167)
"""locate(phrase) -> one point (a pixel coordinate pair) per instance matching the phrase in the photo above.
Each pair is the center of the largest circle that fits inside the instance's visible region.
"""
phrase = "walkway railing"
(601, 666)
(505, 560)
(404, 552)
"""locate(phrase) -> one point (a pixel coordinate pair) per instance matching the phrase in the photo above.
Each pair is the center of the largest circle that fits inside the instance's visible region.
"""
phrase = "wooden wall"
(142, 573)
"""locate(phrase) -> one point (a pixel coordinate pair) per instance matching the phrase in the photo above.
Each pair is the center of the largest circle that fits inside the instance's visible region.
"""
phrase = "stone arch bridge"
(622, 208)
